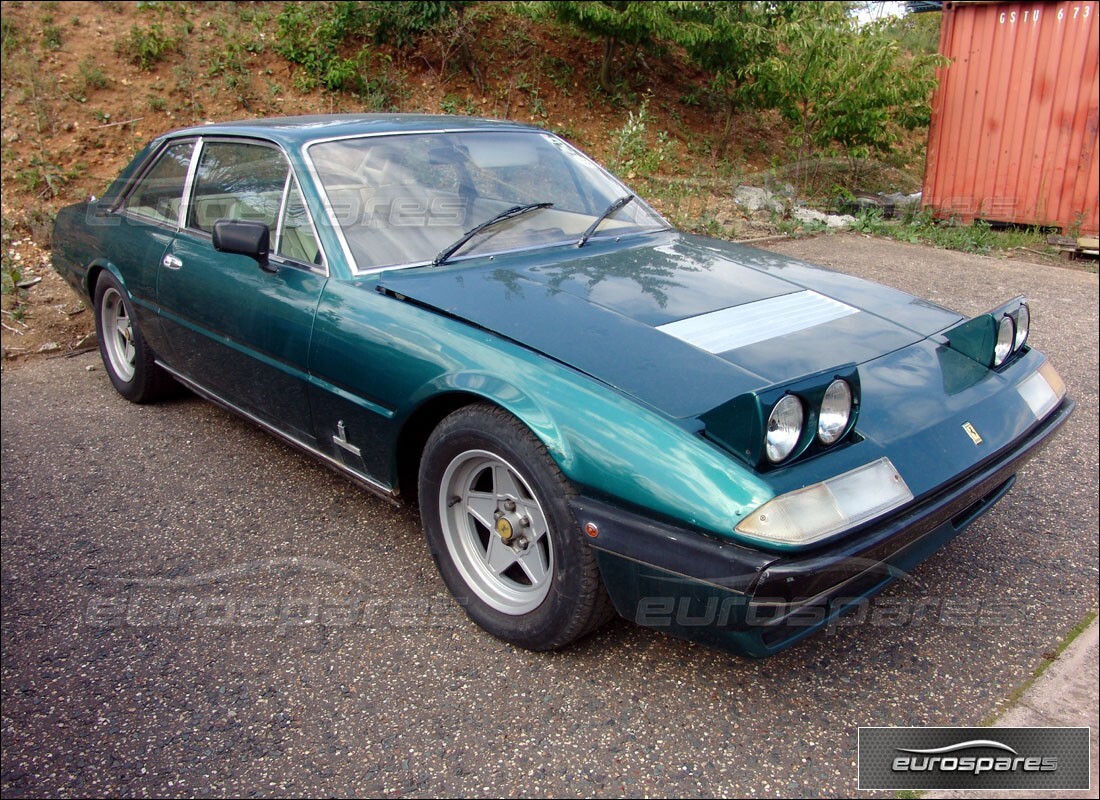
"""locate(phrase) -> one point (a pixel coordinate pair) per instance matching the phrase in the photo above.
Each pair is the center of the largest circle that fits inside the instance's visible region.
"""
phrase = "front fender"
(394, 356)
(609, 446)
(499, 391)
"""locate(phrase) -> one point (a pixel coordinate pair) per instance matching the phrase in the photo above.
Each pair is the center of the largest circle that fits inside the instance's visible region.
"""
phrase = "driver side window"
(237, 181)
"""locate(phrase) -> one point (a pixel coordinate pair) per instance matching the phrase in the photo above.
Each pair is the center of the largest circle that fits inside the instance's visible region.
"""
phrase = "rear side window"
(160, 191)
(238, 181)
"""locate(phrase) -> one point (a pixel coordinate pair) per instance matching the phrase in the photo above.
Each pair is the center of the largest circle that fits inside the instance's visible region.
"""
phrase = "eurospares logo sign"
(974, 758)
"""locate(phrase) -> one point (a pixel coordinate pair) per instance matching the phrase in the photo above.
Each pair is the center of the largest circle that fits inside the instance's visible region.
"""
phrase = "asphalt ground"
(190, 607)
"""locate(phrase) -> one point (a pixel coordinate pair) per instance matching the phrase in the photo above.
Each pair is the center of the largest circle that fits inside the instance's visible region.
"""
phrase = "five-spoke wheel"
(118, 334)
(130, 362)
(496, 532)
(496, 516)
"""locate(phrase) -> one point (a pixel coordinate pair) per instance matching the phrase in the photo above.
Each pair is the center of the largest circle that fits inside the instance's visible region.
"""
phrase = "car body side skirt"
(381, 490)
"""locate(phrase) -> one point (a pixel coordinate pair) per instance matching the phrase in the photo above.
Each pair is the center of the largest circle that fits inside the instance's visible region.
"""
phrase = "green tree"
(727, 39)
(330, 40)
(617, 22)
(915, 33)
(404, 23)
(838, 84)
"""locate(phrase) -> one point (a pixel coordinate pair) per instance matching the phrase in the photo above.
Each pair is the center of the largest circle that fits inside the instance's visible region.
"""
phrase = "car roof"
(293, 131)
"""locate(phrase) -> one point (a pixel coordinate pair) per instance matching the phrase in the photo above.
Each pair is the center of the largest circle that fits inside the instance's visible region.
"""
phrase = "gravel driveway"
(190, 607)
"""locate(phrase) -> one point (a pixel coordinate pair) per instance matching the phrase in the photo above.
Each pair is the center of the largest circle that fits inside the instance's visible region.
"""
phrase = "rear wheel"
(129, 361)
(498, 525)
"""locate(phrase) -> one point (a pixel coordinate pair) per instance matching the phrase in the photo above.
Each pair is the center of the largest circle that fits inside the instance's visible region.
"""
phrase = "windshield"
(403, 199)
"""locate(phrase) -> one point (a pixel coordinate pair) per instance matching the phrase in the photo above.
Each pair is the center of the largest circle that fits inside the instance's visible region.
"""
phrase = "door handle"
(172, 262)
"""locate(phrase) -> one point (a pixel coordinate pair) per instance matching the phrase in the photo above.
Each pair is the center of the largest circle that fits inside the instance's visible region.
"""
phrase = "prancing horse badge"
(972, 432)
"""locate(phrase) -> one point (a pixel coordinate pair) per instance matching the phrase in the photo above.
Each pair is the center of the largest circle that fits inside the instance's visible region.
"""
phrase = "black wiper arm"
(607, 212)
(508, 213)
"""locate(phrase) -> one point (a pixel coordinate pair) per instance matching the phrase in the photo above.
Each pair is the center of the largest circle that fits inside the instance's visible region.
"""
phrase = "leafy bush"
(453, 104)
(51, 33)
(10, 275)
(314, 35)
(146, 46)
(92, 76)
(327, 41)
(9, 36)
(402, 22)
(636, 155)
(45, 177)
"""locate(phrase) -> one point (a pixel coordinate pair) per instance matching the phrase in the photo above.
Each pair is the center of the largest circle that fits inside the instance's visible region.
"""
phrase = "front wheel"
(496, 518)
(129, 361)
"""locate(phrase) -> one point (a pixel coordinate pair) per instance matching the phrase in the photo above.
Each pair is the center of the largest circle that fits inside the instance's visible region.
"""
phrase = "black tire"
(551, 593)
(129, 361)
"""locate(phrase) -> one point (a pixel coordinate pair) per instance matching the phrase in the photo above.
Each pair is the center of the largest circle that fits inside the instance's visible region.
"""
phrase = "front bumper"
(756, 602)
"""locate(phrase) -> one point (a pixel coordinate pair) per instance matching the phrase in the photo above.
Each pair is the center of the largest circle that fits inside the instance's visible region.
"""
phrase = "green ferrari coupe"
(595, 412)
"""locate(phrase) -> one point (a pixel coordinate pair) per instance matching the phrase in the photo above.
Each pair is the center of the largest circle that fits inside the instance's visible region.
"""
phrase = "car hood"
(681, 323)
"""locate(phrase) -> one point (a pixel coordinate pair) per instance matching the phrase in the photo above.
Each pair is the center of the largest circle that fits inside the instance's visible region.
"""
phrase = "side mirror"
(99, 208)
(246, 238)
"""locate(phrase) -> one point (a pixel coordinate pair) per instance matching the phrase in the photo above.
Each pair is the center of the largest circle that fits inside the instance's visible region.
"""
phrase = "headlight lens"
(823, 509)
(1006, 336)
(1022, 318)
(836, 409)
(784, 428)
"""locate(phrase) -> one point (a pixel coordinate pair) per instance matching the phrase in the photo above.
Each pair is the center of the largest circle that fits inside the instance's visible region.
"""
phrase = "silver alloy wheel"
(496, 532)
(118, 334)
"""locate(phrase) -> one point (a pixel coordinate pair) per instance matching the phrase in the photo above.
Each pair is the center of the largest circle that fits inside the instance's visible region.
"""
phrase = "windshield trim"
(504, 127)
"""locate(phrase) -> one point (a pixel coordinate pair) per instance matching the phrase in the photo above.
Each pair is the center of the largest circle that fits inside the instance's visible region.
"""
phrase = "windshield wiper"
(607, 212)
(508, 213)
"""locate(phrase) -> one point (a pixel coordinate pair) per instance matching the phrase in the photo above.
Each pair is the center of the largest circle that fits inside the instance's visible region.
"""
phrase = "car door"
(140, 232)
(236, 329)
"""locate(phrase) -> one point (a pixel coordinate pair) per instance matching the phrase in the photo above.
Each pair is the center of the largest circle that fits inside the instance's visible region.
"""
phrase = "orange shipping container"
(1015, 118)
